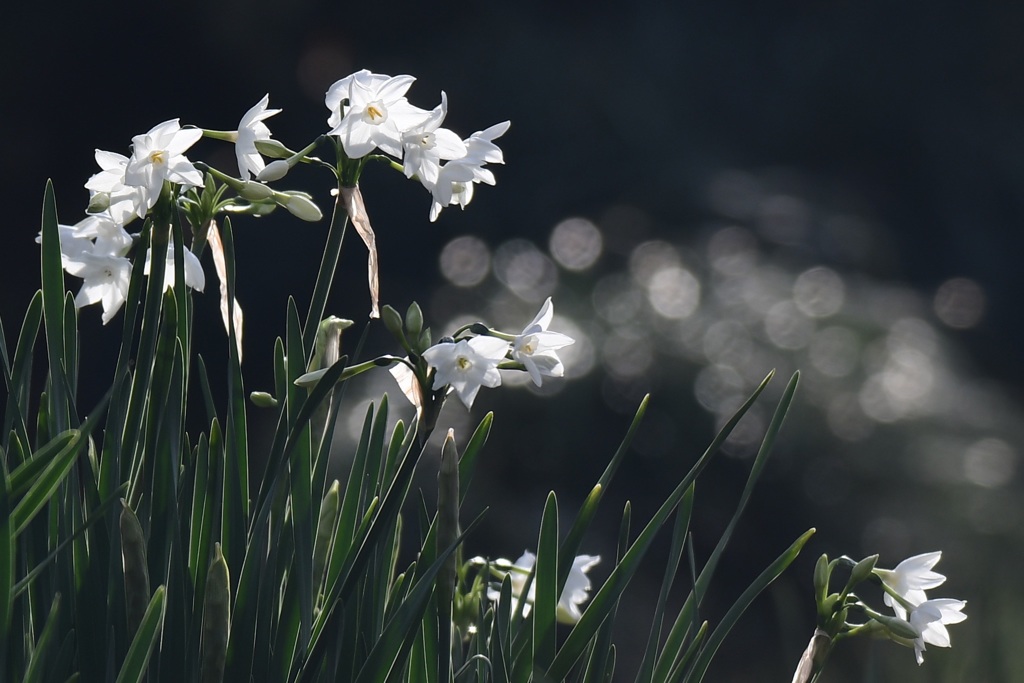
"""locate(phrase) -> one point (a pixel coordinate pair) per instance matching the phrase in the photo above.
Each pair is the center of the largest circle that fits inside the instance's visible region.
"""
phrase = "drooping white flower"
(106, 279)
(467, 365)
(250, 129)
(910, 579)
(376, 113)
(575, 592)
(194, 275)
(427, 144)
(535, 347)
(930, 619)
(455, 180)
(159, 155)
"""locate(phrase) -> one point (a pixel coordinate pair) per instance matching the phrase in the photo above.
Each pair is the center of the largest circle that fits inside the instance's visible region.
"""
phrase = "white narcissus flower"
(250, 129)
(535, 347)
(122, 202)
(575, 592)
(159, 155)
(467, 365)
(376, 115)
(194, 275)
(427, 144)
(930, 619)
(106, 279)
(455, 180)
(910, 579)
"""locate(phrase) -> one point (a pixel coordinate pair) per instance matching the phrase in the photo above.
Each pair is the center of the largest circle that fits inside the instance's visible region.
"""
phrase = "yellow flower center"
(374, 113)
(158, 157)
(463, 363)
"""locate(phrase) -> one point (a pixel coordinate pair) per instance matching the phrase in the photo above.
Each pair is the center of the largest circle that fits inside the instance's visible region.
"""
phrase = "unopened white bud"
(300, 205)
(275, 170)
(254, 191)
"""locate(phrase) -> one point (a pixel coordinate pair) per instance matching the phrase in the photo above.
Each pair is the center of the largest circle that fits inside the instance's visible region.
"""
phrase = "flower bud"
(414, 320)
(273, 149)
(392, 320)
(862, 570)
(254, 191)
(299, 204)
(262, 399)
(275, 170)
(896, 626)
(98, 202)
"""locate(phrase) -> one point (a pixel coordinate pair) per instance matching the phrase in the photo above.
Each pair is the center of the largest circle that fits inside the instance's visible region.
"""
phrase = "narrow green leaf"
(571, 545)
(40, 658)
(605, 599)
(700, 666)
(400, 632)
(19, 376)
(547, 587)
(28, 472)
(688, 612)
(683, 662)
(53, 308)
(679, 532)
(7, 551)
(133, 669)
(42, 489)
(236, 471)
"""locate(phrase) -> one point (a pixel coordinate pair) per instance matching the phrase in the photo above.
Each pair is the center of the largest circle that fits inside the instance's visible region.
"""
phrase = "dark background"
(908, 116)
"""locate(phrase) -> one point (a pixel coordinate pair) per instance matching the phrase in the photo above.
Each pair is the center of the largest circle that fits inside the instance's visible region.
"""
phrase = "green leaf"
(400, 632)
(7, 551)
(41, 654)
(18, 376)
(133, 669)
(53, 309)
(646, 672)
(605, 599)
(571, 545)
(700, 666)
(547, 587)
(43, 487)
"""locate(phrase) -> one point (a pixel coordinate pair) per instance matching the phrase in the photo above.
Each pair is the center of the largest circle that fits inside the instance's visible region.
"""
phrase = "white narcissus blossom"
(535, 347)
(376, 114)
(122, 201)
(427, 144)
(159, 155)
(575, 592)
(467, 365)
(930, 619)
(250, 129)
(910, 579)
(106, 278)
(455, 180)
(194, 275)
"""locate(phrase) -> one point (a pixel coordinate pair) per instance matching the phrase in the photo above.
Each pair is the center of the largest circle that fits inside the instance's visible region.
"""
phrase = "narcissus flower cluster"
(575, 592)
(370, 111)
(370, 118)
(467, 364)
(905, 587)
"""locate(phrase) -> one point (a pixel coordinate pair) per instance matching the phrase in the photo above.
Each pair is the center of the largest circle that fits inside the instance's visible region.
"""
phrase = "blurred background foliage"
(708, 191)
